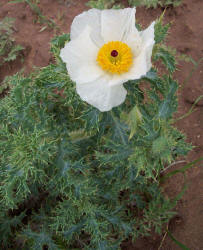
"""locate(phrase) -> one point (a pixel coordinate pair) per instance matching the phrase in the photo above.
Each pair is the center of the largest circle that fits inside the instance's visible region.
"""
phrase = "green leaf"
(155, 80)
(91, 118)
(151, 76)
(104, 4)
(178, 243)
(57, 43)
(191, 109)
(17, 1)
(119, 130)
(18, 93)
(102, 245)
(121, 153)
(167, 106)
(40, 239)
(160, 145)
(14, 52)
(60, 41)
(180, 194)
(181, 170)
(8, 224)
(161, 30)
(147, 3)
(133, 120)
(151, 132)
(139, 202)
(167, 58)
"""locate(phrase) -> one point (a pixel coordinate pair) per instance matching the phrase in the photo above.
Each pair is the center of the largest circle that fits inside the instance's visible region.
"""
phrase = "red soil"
(186, 35)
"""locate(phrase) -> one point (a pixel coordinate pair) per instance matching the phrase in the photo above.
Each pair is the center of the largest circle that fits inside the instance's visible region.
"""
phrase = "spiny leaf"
(78, 135)
(17, 1)
(168, 106)
(14, 52)
(74, 229)
(40, 239)
(167, 58)
(119, 130)
(133, 121)
(91, 118)
(161, 30)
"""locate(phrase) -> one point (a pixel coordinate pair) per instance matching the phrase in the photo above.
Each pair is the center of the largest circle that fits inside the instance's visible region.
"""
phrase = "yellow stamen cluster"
(115, 63)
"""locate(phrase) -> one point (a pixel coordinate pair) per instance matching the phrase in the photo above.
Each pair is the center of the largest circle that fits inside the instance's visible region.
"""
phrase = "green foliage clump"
(33, 4)
(106, 4)
(74, 177)
(155, 3)
(9, 51)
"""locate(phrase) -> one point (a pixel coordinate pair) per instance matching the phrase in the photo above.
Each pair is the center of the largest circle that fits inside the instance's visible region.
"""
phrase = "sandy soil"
(186, 35)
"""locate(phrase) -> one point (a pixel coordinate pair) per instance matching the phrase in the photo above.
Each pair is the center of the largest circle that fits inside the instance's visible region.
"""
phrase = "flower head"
(105, 51)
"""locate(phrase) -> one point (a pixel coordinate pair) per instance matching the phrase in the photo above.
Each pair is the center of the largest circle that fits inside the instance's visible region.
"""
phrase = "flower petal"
(101, 95)
(117, 24)
(80, 56)
(142, 61)
(91, 18)
(134, 41)
(147, 35)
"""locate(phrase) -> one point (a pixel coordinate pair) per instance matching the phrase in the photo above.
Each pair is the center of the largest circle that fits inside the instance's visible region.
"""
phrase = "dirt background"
(186, 35)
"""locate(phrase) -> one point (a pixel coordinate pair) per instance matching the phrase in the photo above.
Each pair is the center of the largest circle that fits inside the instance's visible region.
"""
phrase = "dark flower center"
(114, 53)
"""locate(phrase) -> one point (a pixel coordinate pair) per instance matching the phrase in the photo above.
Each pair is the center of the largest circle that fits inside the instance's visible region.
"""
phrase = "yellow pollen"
(115, 57)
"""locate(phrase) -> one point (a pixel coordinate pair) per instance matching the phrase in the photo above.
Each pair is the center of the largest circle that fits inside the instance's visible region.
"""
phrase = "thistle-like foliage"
(9, 51)
(74, 177)
(155, 3)
(102, 4)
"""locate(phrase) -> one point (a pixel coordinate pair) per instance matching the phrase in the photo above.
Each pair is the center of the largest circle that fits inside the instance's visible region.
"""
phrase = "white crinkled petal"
(134, 41)
(141, 64)
(147, 35)
(91, 18)
(142, 61)
(117, 24)
(101, 95)
(80, 57)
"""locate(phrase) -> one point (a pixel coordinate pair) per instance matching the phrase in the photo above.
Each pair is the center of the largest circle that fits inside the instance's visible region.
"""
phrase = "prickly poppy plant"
(71, 176)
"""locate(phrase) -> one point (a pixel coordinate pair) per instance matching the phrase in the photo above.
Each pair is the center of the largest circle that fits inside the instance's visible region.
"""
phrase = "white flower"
(105, 51)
